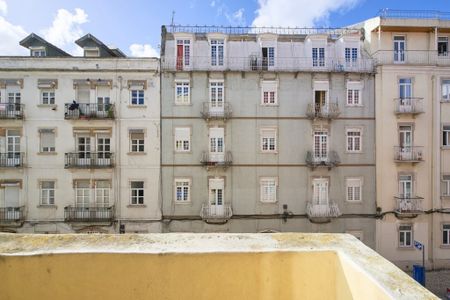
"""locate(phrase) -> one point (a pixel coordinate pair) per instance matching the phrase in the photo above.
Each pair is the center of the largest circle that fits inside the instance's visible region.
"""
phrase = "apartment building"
(79, 140)
(412, 134)
(267, 130)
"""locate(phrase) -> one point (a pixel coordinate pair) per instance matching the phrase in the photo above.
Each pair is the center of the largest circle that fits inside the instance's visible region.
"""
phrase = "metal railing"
(216, 212)
(216, 160)
(11, 160)
(414, 57)
(89, 214)
(317, 111)
(257, 63)
(329, 210)
(12, 214)
(408, 204)
(89, 160)
(408, 153)
(413, 14)
(412, 105)
(329, 159)
(213, 112)
(333, 32)
(11, 110)
(88, 111)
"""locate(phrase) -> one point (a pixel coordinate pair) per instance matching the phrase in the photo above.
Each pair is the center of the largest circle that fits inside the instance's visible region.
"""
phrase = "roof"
(89, 38)
(33, 37)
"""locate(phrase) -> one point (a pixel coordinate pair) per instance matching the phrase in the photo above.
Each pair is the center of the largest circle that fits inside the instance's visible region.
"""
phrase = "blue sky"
(138, 22)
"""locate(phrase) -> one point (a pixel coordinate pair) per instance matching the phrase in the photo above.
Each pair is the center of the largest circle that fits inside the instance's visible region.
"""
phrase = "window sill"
(354, 152)
(137, 153)
(183, 202)
(268, 202)
(136, 205)
(445, 147)
(136, 106)
(354, 106)
(47, 153)
(445, 101)
(353, 201)
(444, 246)
(269, 152)
(183, 104)
(405, 248)
(183, 152)
(270, 105)
(47, 105)
(49, 206)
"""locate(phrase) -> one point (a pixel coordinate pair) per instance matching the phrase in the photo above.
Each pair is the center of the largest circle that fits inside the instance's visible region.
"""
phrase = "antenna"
(173, 18)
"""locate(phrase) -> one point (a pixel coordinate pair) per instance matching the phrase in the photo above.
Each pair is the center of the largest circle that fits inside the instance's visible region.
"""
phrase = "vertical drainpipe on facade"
(25, 171)
(160, 196)
(433, 167)
(118, 169)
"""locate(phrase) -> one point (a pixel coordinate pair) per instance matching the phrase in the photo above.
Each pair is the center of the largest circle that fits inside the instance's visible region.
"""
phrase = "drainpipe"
(435, 156)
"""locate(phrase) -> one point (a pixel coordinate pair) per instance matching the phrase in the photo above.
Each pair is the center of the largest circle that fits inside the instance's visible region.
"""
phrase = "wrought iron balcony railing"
(387, 13)
(408, 106)
(216, 159)
(258, 63)
(407, 204)
(89, 160)
(328, 159)
(89, 214)
(11, 160)
(408, 154)
(214, 112)
(315, 111)
(88, 111)
(413, 57)
(216, 213)
(12, 214)
(328, 210)
(11, 110)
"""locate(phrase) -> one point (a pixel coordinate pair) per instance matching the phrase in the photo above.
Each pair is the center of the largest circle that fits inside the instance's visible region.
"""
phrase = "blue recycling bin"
(419, 274)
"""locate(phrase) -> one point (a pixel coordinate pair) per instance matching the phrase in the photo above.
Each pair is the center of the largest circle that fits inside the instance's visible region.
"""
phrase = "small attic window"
(91, 52)
(38, 52)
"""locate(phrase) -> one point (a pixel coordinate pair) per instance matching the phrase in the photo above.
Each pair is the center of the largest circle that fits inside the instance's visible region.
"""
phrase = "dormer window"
(91, 52)
(38, 52)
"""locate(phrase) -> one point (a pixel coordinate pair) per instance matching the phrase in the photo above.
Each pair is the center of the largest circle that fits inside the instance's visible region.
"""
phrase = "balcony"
(279, 64)
(12, 214)
(11, 110)
(216, 213)
(87, 111)
(329, 159)
(223, 160)
(11, 160)
(413, 57)
(322, 213)
(409, 154)
(88, 214)
(327, 112)
(408, 106)
(89, 160)
(408, 205)
(210, 112)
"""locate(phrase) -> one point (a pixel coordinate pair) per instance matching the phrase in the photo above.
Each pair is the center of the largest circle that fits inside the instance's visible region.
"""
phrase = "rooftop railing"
(328, 210)
(212, 111)
(88, 111)
(413, 57)
(89, 214)
(408, 204)
(216, 213)
(11, 110)
(12, 214)
(328, 159)
(412, 154)
(411, 105)
(413, 14)
(89, 160)
(316, 111)
(11, 160)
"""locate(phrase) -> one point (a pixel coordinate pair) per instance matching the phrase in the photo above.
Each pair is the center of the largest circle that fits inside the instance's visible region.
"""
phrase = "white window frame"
(445, 185)
(48, 97)
(354, 93)
(268, 138)
(445, 90)
(187, 50)
(351, 140)
(446, 136)
(137, 143)
(269, 87)
(443, 39)
(268, 189)
(140, 94)
(403, 231)
(216, 44)
(38, 52)
(183, 98)
(47, 195)
(185, 190)
(355, 186)
(137, 198)
(182, 144)
(445, 231)
(91, 52)
(46, 148)
(318, 61)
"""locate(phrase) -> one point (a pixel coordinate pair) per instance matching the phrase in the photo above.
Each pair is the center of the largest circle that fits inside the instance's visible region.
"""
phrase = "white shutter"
(354, 85)
(321, 85)
(182, 133)
(216, 183)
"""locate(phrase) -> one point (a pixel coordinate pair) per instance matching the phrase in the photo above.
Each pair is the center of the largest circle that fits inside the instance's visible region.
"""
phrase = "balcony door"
(102, 196)
(82, 199)
(320, 102)
(320, 195)
(405, 93)
(320, 146)
(14, 99)
(216, 144)
(12, 201)
(83, 150)
(183, 54)
(103, 150)
(103, 101)
(405, 136)
(216, 196)
(13, 148)
(216, 106)
(405, 186)
(399, 49)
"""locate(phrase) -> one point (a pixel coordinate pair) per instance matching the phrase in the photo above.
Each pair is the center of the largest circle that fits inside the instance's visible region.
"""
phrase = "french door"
(320, 196)
(13, 148)
(216, 196)
(12, 202)
(405, 139)
(103, 150)
(320, 146)
(84, 150)
(216, 96)
(216, 144)
(399, 49)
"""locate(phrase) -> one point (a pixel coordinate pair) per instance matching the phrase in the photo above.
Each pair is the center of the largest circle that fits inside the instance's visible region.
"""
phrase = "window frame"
(41, 145)
(353, 138)
(445, 182)
(348, 185)
(138, 144)
(264, 197)
(273, 135)
(50, 199)
(443, 233)
(137, 189)
(444, 40)
(183, 191)
(215, 45)
(138, 97)
(182, 141)
(186, 99)
(405, 232)
(445, 85)
(445, 136)
(48, 96)
(269, 87)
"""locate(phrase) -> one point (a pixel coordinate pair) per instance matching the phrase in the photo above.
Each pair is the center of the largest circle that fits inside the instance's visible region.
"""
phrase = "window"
(269, 93)
(354, 93)
(91, 52)
(354, 189)
(47, 137)
(47, 97)
(47, 192)
(446, 90)
(268, 188)
(182, 190)
(446, 234)
(102, 193)
(446, 185)
(405, 88)
(268, 54)
(217, 50)
(405, 186)
(137, 97)
(446, 135)
(82, 193)
(137, 192)
(136, 140)
(182, 92)
(268, 140)
(405, 236)
(318, 56)
(354, 140)
(38, 52)
(399, 49)
(14, 97)
(183, 53)
(182, 139)
(351, 55)
(442, 46)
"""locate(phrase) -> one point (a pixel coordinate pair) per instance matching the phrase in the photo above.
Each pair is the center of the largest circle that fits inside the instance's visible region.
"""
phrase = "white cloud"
(237, 18)
(3, 7)
(213, 3)
(300, 13)
(146, 50)
(66, 28)
(10, 35)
